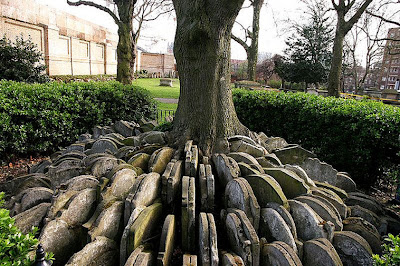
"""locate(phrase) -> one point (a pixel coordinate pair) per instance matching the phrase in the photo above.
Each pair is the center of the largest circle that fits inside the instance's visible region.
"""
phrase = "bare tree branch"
(384, 19)
(241, 42)
(90, 3)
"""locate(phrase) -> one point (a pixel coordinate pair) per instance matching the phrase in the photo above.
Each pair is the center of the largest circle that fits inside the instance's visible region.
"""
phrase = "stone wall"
(159, 64)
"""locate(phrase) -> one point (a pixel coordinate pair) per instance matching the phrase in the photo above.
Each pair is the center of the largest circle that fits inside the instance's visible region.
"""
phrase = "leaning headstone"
(269, 161)
(167, 241)
(31, 197)
(320, 171)
(320, 251)
(207, 187)
(367, 215)
(291, 184)
(230, 259)
(191, 159)
(301, 173)
(140, 160)
(279, 253)
(266, 190)
(242, 237)
(188, 213)
(159, 159)
(273, 143)
(246, 158)
(80, 208)
(274, 228)
(226, 167)
(239, 195)
(32, 217)
(246, 170)
(284, 213)
(309, 225)
(108, 222)
(123, 247)
(189, 260)
(293, 154)
(365, 202)
(140, 257)
(102, 251)
(338, 191)
(125, 128)
(344, 182)
(171, 181)
(334, 199)
(352, 248)
(366, 230)
(208, 250)
(166, 82)
(243, 145)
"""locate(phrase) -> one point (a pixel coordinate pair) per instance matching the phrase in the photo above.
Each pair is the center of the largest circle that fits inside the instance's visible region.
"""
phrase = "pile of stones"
(122, 196)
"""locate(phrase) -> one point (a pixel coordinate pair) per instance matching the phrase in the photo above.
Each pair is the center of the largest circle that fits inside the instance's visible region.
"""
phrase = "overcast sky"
(156, 35)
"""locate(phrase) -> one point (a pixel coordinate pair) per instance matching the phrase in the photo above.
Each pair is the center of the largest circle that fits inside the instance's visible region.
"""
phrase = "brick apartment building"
(390, 71)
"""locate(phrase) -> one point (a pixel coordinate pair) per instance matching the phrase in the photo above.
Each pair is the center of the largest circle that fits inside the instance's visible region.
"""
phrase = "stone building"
(390, 72)
(71, 45)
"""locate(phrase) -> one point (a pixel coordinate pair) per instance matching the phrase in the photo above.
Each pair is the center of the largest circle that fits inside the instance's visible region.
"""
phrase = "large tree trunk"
(202, 50)
(336, 65)
(125, 55)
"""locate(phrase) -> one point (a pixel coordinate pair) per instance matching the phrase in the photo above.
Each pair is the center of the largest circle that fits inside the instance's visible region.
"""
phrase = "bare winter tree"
(348, 13)
(250, 40)
(129, 15)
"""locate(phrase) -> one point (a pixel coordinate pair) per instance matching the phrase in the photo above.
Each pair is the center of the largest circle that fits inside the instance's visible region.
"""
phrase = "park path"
(166, 100)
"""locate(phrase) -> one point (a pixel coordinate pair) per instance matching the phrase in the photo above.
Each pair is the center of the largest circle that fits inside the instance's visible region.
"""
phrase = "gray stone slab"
(320, 252)
(366, 230)
(291, 184)
(31, 217)
(352, 248)
(279, 253)
(167, 241)
(191, 161)
(80, 208)
(226, 168)
(188, 219)
(108, 223)
(293, 154)
(286, 216)
(189, 260)
(159, 159)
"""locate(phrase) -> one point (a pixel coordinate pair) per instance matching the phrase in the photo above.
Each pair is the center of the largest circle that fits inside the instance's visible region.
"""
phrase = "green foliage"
(21, 61)
(359, 137)
(391, 252)
(276, 84)
(15, 246)
(71, 78)
(157, 91)
(37, 118)
(164, 126)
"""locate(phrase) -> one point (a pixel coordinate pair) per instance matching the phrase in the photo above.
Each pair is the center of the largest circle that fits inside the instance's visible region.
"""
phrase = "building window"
(383, 78)
(382, 87)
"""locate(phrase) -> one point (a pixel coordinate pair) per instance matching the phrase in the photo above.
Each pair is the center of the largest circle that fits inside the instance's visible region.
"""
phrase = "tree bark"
(252, 53)
(125, 54)
(336, 65)
(202, 50)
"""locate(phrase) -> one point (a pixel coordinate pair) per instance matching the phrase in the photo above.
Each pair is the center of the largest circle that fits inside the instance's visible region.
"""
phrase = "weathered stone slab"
(19, 184)
(31, 217)
(338, 191)
(309, 225)
(320, 171)
(125, 128)
(191, 159)
(266, 190)
(154, 137)
(246, 170)
(366, 230)
(242, 237)
(279, 253)
(320, 252)
(242, 138)
(230, 259)
(367, 215)
(284, 213)
(322, 210)
(140, 257)
(334, 199)
(167, 241)
(65, 170)
(108, 222)
(80, 208)
(291, 184)
(102, 251)
(300, 173)
(239, 195)
(269, 161)
(246, 158)
(33, 196)
(59, 202)
(274, 228)
(226, 167)
(125, 235)
(345, 182)
(104, 145)
(121, 186)
(365, 202)
(207, 187)
(173, 182)
(208, 249)
(103, 165)
(143, 227)
(272, 143)
(41, 167)
(140, 160)
(58, 238)
(247, 147)
(352, 248)
(293, 154)
(189, 260)
(188, 219)
(159, 159)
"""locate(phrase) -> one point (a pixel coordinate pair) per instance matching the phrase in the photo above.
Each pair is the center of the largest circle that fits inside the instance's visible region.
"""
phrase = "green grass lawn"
(167, 106)
(157, 91)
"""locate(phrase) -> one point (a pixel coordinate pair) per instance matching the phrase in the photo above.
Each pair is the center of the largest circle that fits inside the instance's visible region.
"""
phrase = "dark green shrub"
(359, 137)
(276, 84)
(37, 118)
(15, 246)
(391, 252)
(71, 78)
(164, 126)
(21, 61)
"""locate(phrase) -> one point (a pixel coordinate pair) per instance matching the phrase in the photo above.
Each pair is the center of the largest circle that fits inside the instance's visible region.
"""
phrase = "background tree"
(266, 67)
(251, 34)
(308, 53)
(348, 13)
(202, 49)
(126, 14)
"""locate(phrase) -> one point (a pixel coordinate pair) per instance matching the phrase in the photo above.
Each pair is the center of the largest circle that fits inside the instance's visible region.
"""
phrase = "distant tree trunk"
(342, 28)
(202, 49)
(125, 54)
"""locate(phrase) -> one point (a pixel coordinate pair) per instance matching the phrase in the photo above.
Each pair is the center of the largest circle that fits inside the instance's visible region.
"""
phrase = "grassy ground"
(157, 91)
(167, 106)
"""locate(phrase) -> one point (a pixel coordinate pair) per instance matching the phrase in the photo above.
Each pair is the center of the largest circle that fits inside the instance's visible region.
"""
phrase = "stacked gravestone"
(122, 196)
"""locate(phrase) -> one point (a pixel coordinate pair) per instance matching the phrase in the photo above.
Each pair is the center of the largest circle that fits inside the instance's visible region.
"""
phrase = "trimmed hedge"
(359, 137)
(72, 78)
(37, 118)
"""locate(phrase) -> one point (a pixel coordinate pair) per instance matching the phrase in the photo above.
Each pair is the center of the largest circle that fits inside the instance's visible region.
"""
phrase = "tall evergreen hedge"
(37, 118)
(359, 137)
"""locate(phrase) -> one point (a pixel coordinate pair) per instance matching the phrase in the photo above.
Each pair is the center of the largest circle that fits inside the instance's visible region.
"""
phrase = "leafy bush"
(37, 118)
(15, 246)
(274, 83)
(71, 78)
(21, 61)
(391, 252)
(164, 126)
(359, 137)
